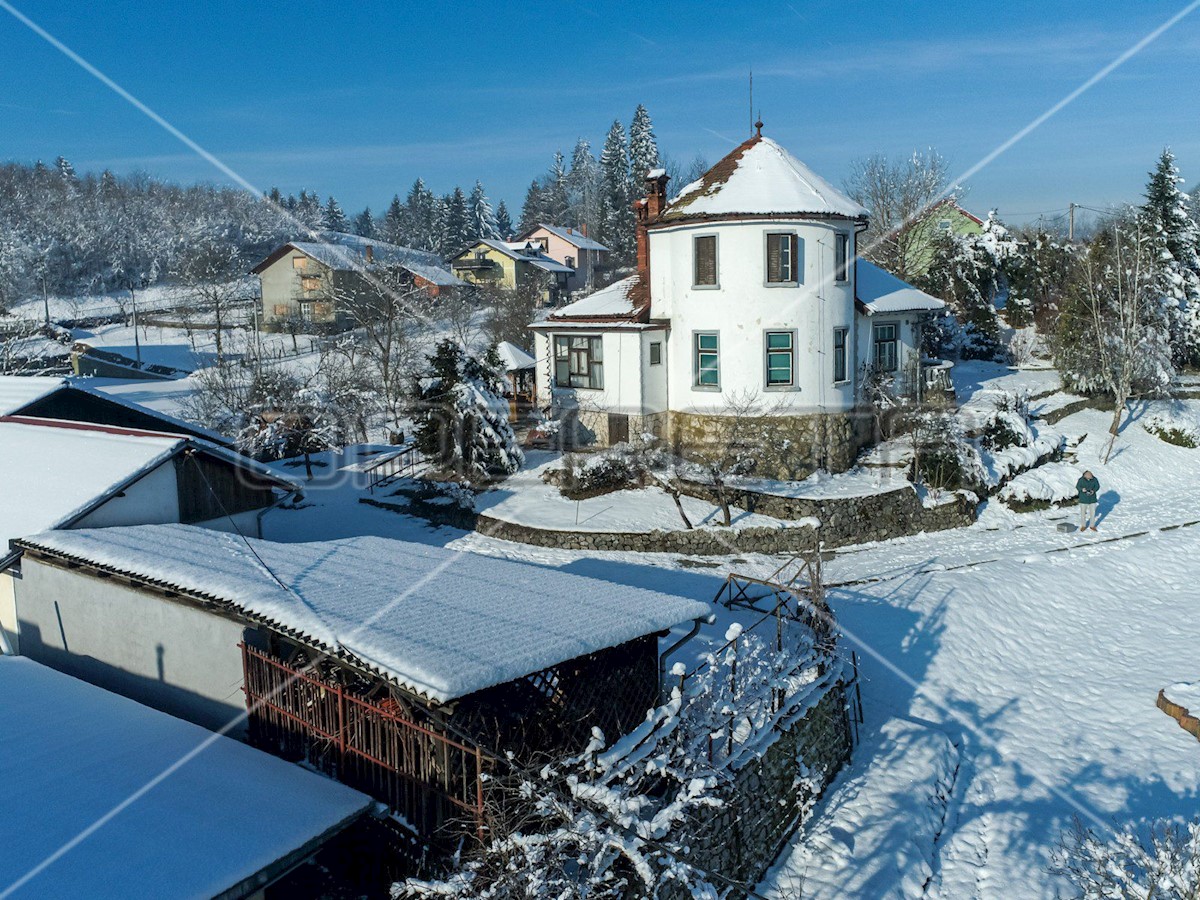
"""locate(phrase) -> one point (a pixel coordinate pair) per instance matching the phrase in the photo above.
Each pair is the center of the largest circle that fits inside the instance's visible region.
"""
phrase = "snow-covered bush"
(1160, 860)
(619, 467)
(618, 820)
(1174, 428)
(1052, 483)
(943, 457)
(1008, 424)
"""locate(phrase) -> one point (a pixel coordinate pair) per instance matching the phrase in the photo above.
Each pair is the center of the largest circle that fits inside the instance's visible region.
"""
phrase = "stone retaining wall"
(856, 520)
(846, 520)
(769, 798)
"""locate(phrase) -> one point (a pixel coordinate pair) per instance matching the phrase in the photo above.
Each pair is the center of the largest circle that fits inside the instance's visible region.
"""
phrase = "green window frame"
(706, 347)
(781, 358)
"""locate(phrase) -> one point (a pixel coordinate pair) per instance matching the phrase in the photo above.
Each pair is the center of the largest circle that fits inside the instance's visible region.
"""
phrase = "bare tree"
(1161, 860)
(386, 316)
(212, 276)
(1115, 338)
(901, 197)
(510, 313)
(732, 449)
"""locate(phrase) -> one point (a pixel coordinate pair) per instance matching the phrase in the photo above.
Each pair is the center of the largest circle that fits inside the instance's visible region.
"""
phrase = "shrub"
(943, 458)
(1174, 430)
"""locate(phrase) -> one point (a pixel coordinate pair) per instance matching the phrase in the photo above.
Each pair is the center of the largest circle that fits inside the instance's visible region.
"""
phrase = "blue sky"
(358, 99)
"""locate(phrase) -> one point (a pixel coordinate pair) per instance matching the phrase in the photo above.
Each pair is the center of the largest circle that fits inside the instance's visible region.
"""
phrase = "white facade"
(743, 308)
(750, 283)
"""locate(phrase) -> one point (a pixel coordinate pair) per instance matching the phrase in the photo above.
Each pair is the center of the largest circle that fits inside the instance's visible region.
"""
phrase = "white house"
(749, 302)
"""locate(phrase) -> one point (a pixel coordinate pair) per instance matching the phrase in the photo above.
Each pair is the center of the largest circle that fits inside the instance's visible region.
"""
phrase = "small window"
(656, 353)
(840, 337)
(708, 359)
(779, 358)
(886, 356)
(310, 282)
(298, 262)
(282, 310)
(944, 224)
(569, 262)
(704, 273)
(579, 361)
(782, 258)
(841, 257)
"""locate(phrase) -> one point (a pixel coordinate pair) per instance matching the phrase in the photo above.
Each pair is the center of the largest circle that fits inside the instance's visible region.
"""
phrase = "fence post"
(479, 793)
(341, 741)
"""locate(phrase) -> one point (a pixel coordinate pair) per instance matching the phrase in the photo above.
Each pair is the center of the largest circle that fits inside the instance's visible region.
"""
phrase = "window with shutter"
(782, 258)
(704, 250)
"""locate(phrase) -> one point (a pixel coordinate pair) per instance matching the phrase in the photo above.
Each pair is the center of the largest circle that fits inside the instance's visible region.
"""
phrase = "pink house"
(572, 247)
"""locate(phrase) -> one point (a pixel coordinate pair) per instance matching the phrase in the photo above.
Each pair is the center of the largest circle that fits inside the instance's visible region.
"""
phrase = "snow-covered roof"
(439, 622)
(760, 178)
(54, 474)
(72, 753)
(348, 252)
(571, 236)
(18, 391)
(513, 357)
(882, 292)
(620, 300)
(56, 471)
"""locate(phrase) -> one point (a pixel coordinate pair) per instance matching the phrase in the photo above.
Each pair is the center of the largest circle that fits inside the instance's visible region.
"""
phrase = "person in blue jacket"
(1088, 487)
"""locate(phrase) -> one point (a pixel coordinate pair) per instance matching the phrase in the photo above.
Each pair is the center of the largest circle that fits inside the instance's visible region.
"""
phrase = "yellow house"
(512, 265)
(946, 217)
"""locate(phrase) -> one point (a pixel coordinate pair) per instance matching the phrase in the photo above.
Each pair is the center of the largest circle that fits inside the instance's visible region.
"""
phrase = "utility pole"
(1071, 223)
(137, 344)
(45, 299)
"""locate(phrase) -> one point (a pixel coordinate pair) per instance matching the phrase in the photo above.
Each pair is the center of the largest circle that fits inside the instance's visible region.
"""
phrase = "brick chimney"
(583, 229)
(646, 211)
(370, 253)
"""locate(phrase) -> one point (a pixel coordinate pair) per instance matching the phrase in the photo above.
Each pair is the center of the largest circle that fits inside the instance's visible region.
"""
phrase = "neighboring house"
(61, 398)
(304, 281)
(947, 217)
(79, 475)
(748, 303)
(574, 249)
(228, 823)
(513, 266)
(413, 646)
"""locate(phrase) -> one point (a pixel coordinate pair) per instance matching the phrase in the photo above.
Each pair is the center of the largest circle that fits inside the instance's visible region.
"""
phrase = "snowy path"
(1041, 666)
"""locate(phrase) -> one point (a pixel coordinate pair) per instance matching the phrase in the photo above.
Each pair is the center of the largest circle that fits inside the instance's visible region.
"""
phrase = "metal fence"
(434, 782)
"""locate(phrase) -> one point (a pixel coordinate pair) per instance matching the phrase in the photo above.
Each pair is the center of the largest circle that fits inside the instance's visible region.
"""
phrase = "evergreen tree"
(273, 196)
(555, 203)
(504, 223)
(643, 149)
(65, 169)
(423, 226)
(309, 211)
(364, 223)
(1168, 214)
(616, 211)
(392, 228)
(462, 418)
(456, 229)
(533, 209)
(335, 219)
(583, 188)
(481, 219)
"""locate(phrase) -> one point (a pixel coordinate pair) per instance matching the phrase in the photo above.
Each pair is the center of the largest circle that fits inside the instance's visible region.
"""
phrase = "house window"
(569, 261)
(298, 262)
(840, 337)
(656, 353)
(579, 361)
(886, 358)
(704, 250)
(782, 258)
(944, 224)
(282, 310)
(779, 358)
(841, 257)
(310, 282)
(708, 359)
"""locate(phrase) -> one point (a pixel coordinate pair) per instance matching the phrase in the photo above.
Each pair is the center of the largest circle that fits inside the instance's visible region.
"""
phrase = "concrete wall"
(154, 500)
(8, 612)
(160, 652)
(743, 307)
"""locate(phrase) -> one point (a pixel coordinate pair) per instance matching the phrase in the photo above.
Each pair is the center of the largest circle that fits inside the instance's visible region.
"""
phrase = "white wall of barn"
(743, 307)
(152, 500)
(163, 653)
